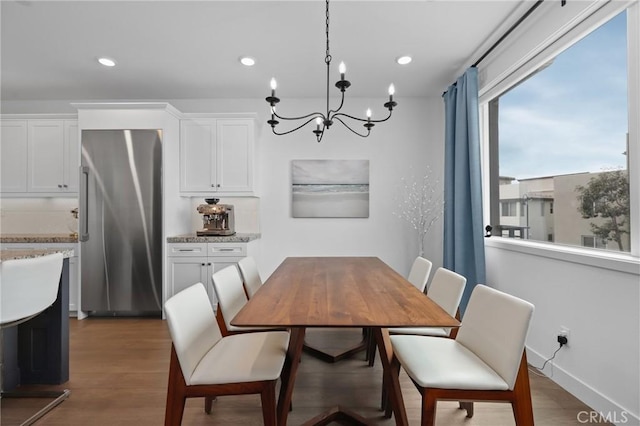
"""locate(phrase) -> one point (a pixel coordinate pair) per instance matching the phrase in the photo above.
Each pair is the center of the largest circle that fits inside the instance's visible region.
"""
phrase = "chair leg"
(467, 405)
(428, 409)
(208, 403)
(521, 404)
(268, 398)
(176, 393)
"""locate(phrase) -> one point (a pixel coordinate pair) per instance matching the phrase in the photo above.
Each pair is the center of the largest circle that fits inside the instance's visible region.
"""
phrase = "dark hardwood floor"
(119, 376)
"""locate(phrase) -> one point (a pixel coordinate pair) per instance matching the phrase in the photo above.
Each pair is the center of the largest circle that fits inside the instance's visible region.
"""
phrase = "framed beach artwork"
(330, 188)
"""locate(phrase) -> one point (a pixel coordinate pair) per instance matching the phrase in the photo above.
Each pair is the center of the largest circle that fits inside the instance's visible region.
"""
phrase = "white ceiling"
(190, 49)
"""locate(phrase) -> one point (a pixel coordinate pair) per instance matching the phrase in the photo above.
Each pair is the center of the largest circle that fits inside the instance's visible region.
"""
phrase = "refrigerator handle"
(84, 203)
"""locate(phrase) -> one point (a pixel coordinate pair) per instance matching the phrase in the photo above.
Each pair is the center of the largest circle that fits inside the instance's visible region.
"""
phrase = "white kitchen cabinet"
(217, 156)
(13, 156)
(190, 263)
(46, 156)
(40, 157)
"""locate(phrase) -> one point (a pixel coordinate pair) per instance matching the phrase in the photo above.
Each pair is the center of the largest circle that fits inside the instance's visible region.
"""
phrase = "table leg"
(391, 380)
(291, 363)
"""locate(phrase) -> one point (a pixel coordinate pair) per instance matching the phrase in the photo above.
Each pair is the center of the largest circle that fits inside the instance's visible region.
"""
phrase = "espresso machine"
(217, 218)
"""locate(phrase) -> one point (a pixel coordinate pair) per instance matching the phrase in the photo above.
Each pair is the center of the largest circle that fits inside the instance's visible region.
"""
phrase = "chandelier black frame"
(327, 119)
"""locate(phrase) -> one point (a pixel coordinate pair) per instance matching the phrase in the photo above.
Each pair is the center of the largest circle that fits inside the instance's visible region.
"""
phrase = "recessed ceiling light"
(247, 61)
(107, 62)
(403, 60)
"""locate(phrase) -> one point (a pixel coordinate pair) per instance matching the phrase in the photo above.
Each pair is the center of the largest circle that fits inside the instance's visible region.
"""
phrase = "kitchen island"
(37, 351)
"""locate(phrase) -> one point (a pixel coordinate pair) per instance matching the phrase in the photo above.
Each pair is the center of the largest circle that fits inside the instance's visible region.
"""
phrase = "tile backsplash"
(53, 215)
(37, 215)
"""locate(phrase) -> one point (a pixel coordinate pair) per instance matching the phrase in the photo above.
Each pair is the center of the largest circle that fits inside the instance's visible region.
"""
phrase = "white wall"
(599, 306)
(405, 145)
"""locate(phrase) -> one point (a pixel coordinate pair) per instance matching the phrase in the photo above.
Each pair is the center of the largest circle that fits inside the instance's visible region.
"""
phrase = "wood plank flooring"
(119, 373)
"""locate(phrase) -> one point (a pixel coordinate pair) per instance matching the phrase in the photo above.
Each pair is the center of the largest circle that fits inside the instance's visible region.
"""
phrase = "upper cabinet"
(217, 156)
(13, 156)
(40, 157)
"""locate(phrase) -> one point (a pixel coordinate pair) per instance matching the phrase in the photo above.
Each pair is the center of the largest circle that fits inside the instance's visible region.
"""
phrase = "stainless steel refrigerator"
(121, 222)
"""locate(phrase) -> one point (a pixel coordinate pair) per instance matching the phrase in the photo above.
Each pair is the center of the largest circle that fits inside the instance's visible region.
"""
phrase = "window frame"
(488, 102)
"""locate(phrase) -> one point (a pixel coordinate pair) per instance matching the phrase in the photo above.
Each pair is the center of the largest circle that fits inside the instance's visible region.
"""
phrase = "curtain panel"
(463, 227)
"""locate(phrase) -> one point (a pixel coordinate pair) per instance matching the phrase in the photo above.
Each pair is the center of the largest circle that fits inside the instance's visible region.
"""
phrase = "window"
(509, 208)
(556, 154)
(593, 242)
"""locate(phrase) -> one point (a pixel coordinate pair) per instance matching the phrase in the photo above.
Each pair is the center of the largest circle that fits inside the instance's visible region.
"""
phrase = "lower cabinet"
(190, 263)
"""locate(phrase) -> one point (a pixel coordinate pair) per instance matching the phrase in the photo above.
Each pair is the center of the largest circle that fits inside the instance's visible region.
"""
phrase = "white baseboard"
(606, 408)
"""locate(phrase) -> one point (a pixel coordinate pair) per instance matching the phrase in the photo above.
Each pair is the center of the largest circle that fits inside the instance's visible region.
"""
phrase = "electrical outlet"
(564, 332)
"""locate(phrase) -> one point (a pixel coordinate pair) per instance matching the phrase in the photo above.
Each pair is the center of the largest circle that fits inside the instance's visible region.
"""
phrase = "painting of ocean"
(330, 188)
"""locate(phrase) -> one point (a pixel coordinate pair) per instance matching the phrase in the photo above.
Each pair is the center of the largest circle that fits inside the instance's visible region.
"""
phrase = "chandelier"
(325, 120)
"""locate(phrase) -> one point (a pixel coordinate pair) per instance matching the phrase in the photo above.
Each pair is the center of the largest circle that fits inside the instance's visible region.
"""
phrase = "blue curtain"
(463, 230)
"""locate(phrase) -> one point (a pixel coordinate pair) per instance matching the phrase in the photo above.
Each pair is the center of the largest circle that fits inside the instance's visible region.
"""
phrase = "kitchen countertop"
(38, 238)
(13, 254)
(193, 238)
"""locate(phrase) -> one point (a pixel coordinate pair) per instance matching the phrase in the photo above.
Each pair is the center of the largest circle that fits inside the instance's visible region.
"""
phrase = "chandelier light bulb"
(274, 85)
(392, 90)
(342, 68)
(369, 113)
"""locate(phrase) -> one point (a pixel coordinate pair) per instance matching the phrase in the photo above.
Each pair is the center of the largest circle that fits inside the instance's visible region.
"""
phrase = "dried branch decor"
(420, 204)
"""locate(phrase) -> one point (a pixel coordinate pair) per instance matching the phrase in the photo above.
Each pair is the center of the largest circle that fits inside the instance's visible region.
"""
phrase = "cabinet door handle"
(186, 249)
(218, 185)
(212, 185)
(65, 186)
(59, 186)
(84, 203)
(226, 249)
(202, 264)
(209, 263)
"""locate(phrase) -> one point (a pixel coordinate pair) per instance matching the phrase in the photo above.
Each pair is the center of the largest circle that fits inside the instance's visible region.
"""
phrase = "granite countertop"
(193, 238)
(13, 254)
(38, 238)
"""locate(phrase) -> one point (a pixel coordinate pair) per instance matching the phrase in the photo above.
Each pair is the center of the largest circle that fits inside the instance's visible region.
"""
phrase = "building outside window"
(566, 170)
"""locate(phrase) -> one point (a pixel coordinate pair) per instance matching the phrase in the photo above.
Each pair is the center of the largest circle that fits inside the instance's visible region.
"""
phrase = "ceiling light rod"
(326, 120)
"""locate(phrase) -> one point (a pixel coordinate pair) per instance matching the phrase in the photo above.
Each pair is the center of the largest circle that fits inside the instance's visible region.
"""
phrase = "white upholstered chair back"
(446, 289)
(192, 325)
(28, 286)
(250, 275)
(419, 273)
(227, 284)
(495, 327)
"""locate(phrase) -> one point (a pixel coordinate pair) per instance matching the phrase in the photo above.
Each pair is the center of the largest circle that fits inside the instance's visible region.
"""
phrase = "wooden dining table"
(350, 292)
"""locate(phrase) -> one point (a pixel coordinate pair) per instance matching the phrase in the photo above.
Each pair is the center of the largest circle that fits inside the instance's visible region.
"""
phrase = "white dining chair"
(419, 272)
(485, 362)
(231, 296)
(250, 275)
(446, 290)
(206, 364)
(27, 288)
